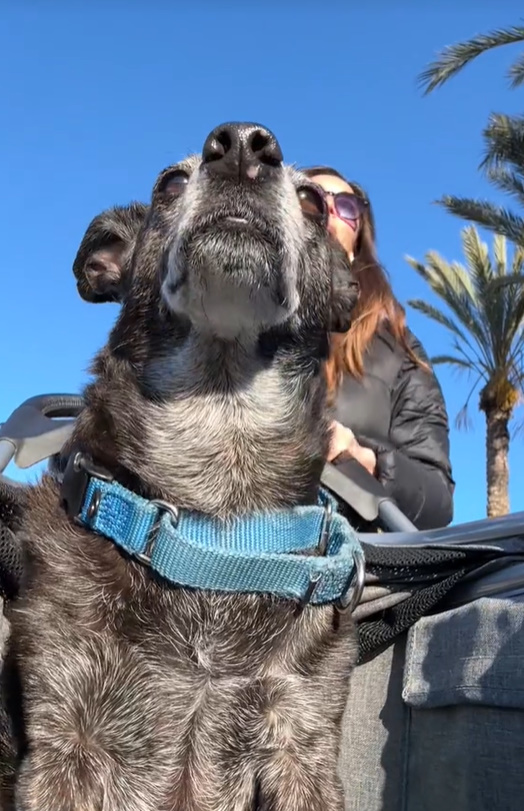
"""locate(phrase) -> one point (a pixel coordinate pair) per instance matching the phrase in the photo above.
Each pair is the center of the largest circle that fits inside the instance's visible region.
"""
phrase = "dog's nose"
(242, 151)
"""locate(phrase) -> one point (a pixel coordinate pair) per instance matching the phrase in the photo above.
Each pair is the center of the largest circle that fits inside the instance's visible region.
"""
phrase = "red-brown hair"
(377, 305)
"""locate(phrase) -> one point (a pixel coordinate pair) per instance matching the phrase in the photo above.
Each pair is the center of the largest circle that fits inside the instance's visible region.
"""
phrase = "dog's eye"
(174, 184)
(312, 203)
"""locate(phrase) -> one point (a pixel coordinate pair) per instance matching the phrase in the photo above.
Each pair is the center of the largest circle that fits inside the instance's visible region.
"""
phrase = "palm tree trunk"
(497, 462)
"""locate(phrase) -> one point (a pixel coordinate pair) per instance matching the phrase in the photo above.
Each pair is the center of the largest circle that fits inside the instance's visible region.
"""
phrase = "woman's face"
(346, 231)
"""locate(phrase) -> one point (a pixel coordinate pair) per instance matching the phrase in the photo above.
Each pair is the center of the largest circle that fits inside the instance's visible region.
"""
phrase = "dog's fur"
(210, 395)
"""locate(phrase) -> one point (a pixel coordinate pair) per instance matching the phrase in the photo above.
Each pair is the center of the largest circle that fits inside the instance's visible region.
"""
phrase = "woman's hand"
(343, 442)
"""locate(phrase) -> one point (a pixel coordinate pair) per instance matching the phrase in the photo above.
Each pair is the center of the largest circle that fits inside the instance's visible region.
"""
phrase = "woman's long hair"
(376, 307)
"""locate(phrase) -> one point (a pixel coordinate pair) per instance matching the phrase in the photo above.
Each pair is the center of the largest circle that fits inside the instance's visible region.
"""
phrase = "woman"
(389, 407)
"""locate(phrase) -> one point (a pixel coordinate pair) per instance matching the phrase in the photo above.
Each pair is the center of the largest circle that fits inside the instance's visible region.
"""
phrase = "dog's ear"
(105, 253)
(345, 291)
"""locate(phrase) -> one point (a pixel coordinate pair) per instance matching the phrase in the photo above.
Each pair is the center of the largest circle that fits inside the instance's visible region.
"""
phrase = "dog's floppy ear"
(105, 253)
(345, 291)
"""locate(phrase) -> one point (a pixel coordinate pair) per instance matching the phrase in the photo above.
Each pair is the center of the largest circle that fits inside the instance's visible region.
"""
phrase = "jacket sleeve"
(414, 466)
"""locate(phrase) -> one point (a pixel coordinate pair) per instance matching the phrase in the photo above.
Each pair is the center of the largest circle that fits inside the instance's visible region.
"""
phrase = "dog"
(208, 400)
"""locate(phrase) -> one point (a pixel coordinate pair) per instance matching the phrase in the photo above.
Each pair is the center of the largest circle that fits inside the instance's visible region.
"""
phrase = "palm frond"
(445, 277)
(462, 420)
(500, 254)
(455, 57)
(517, 429)
(489, 314)
(452, 360)
(477, 257)
(504, 142)
(488, 215)
(516, 73)
(508, 280)
(507, 289)
(436, 315)
(449, 282)
(507, 182)
(514, 329)
(482, 367)
(460, 292)
(506, 293)
(478, 355)
(517, 264)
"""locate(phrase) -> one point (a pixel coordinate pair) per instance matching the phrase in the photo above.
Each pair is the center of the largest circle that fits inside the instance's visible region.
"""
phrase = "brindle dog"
(209, 395)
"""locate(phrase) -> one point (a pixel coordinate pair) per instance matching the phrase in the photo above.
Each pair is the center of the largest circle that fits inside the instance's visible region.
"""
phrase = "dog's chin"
(228, 307)
(226, 276)
(252, 249)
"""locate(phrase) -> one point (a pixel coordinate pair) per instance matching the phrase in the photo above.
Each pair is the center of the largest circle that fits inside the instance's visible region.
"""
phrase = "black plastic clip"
(79, 469)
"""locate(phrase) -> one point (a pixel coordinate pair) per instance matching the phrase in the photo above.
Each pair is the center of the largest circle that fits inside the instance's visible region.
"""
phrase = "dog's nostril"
(265, 148)
(259, 141)
(224, 139)
(217, 147)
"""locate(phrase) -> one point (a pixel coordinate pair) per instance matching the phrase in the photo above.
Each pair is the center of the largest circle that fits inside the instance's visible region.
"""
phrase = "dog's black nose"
(242, 151)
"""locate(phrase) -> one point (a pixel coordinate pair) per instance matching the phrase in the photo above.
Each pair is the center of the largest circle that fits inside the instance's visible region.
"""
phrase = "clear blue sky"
(97, 97)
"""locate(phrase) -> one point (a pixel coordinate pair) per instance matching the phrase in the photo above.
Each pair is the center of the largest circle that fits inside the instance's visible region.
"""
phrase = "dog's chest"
(225, 402)
(184, 689)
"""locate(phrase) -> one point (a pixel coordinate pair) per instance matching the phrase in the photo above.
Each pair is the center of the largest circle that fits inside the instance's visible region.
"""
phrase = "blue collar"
(310, 554)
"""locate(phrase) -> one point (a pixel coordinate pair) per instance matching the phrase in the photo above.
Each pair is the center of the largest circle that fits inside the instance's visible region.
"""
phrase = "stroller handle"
(55, 405)
(351, 482)
(38, 428)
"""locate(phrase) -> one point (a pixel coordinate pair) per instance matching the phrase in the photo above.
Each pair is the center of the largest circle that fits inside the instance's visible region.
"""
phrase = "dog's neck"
(220, 428)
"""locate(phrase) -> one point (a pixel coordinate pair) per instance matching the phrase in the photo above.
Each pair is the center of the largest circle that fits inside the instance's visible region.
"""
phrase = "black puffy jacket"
(398, 410)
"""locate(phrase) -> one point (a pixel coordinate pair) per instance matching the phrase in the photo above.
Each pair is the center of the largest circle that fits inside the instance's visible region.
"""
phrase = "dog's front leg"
(291, 783)
(50, 780)
(96, 729)
(42, 784)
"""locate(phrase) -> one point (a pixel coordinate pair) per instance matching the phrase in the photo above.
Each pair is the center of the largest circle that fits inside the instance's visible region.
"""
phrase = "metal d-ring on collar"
(163, 507)
(352, 595)
(321, 550)
(355, 587)
(324, 537)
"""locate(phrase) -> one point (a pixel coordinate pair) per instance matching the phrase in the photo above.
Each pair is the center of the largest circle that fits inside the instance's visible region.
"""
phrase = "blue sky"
(97, 97)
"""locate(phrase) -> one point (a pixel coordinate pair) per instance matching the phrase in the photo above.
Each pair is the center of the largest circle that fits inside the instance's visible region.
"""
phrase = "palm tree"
(503, 137)
(485, 299)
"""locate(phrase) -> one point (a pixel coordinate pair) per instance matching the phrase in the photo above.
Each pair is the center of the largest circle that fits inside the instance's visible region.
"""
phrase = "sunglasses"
(347, 206)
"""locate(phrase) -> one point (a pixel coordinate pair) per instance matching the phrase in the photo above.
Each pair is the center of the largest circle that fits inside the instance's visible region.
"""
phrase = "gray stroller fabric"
(437, 720)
